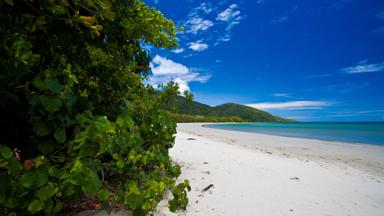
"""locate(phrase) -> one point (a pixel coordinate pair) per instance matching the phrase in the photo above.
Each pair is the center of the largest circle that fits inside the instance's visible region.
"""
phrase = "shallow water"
(356, 132)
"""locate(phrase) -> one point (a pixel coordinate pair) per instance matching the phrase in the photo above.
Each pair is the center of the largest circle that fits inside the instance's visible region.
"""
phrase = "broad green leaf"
(54, 85)
(35, 206)
(146, 206)
(58, 207)
(161, 186)
(48, 207)
(41, 128)
(15, 166)
(134, 201)
(92, 186)
(60, 135)
(133, 188)
(34, 178)
(39, 83)
(51, 104)
(77, 166)
(46, 147)
(71, 99)
(120, 164)
(5, 152)
(47, 191)
(54, 171)
(58, 10)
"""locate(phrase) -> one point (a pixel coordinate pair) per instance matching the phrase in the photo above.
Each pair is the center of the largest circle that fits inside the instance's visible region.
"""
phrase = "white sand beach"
(256, 174)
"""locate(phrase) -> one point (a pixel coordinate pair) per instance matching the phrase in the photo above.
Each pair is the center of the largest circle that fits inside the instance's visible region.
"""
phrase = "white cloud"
(167, 67)
(178, 50)
(363, 67)
(291, 105)
(198, 46)
(231, 15)
(198, 24)
(165, 70)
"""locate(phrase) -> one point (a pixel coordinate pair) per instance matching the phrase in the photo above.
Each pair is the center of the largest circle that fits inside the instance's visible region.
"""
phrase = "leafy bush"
(78, 120)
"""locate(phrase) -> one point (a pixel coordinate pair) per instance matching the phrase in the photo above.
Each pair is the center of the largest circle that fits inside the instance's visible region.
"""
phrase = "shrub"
(78, 120)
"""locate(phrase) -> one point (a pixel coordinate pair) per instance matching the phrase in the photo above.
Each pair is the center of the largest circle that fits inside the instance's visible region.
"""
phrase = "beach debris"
(291, 210)
(379, 181)
(207, 188)
(295, 178)
(197, 201)
(207, 172)
(268, 152)
(191, 138)
(205, 162)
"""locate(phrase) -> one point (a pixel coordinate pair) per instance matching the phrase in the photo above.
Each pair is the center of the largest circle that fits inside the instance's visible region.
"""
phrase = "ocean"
(356, 132)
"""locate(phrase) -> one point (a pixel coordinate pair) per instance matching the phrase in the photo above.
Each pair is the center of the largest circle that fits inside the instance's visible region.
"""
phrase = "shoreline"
(366, 157)
(279, 135)
(254, 174)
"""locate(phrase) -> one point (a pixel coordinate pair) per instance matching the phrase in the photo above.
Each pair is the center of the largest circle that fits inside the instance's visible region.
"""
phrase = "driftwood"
(207, 188)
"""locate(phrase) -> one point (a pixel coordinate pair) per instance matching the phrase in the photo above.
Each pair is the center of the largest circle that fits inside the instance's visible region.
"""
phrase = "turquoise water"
(369, 133)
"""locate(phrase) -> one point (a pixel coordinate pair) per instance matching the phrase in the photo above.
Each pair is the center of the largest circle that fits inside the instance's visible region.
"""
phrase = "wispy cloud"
(211, 22)
(280, 19)
(198, 46)
(292, 105)
(197, 24)
(260, 2)
(357, 113)
(165, 70)
(285, 95)
(340, 4)
(178, 50)
(205, 7)
(231, 16)
(345, 88)
(341, 88)
(224, 38)
(364, 67)
(321, 75)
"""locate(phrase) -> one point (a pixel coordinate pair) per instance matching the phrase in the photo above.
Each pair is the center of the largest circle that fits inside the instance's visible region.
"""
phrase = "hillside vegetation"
(183, 110)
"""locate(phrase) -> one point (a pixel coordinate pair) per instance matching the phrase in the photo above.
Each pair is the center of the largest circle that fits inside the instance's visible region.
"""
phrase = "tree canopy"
(77, 118)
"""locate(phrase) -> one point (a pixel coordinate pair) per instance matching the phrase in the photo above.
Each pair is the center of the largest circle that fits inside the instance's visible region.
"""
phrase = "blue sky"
(308, 60)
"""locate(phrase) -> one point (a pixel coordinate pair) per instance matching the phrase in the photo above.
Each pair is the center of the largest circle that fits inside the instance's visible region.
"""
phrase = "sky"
(307, 60)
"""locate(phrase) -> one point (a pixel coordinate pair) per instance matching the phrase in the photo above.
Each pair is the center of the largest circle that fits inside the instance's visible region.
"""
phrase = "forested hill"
(185, 111)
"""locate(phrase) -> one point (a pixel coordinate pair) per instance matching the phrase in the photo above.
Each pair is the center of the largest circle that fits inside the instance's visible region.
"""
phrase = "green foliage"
(78, 120)
(183, 110)
(199, 118)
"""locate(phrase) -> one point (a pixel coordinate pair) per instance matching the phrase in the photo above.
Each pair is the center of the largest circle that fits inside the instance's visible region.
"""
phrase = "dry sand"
(255, 174)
